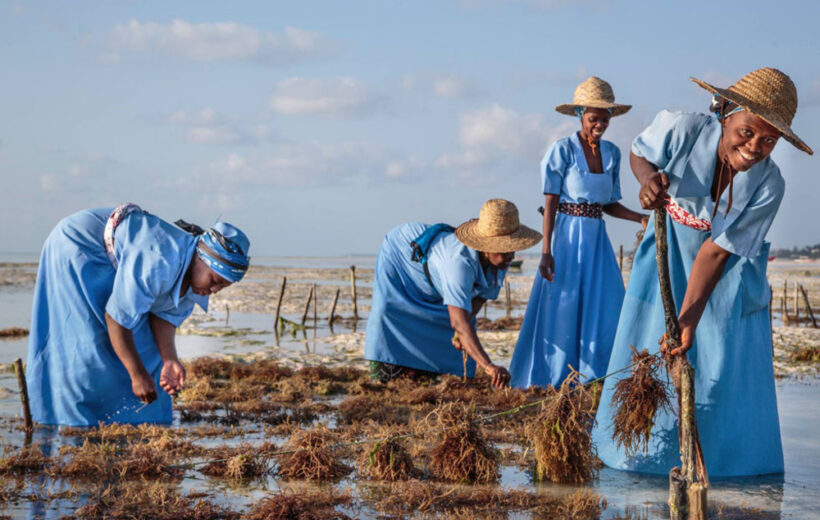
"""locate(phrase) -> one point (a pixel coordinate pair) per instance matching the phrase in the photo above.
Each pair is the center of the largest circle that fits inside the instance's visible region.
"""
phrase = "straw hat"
(497, 229)
(770, 95)
(593, 93)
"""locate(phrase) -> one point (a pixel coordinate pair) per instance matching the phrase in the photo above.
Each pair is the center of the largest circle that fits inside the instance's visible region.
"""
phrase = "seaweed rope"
(479, 420)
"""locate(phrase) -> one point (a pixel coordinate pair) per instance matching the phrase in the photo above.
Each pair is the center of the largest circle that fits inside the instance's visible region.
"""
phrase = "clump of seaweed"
(807, 354)
(241, 462)
(636, 400)
(462, 453)
(13, 332)
(560, 434)
(387, 459)
(307, 505)
(106, 459)
(28, 459)
(310, 455)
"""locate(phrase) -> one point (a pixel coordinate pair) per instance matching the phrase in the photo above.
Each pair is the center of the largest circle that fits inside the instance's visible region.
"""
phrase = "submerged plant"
(462, 453)
(637, 400)
(387, 460)
(305, 505)
(240, 462)
(309, 455)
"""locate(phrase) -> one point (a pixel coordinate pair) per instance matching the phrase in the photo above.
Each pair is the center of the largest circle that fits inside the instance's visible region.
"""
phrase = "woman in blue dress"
(577, 292)
(721, 190)
(112, 286)
(430, 282)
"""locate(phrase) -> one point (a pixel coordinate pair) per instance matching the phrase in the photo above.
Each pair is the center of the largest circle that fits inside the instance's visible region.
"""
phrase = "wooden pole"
(796, 304)
(809, 310)
(227, 314)
(621, 258)
(353, 292)
(691, 477)
(21, 382)
(785, 301)
(307, 306)
(333, 307)
(509, 299)
(276, 326)
(315, 313)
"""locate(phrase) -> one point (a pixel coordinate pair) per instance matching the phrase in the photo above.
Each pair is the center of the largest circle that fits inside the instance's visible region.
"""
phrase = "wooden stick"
(693, 468)
(21, 382)
(509, 300)
(307, 306)
(796, 303)
(333, 307)
(621, 258)
(279, 302)
(353, 292)
(785, 301)
(227, 314)
(809, 310)
(315, 314)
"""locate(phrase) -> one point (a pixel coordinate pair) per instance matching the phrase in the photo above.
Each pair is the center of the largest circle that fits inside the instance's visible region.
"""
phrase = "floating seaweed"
(387, 459)
(560, 434)
(462, 454)
(310, 456)
(637, 400)
(241, 462)
(306, 505)
(28, 459)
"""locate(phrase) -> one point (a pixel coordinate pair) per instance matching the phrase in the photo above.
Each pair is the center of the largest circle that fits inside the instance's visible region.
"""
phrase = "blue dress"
(571, 321)
(74, 376)
(736, 406)
(409, 324)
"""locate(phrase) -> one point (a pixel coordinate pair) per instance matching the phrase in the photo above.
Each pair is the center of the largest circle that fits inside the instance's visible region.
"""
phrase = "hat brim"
(522, 239)
(757, 110)
(568, 109)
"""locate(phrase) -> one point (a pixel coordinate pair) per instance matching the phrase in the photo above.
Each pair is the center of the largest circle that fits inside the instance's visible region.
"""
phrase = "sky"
(316, 127)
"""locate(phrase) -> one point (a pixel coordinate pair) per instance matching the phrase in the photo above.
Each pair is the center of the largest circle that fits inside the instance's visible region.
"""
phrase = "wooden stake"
(227, 314)
(809, 310)
(785, 301)
(693, 469)
(333, 307)
(621, 258)
(276, 325)
(21, 382)
(796, 304)
(315, 314)
(307, 307)
(509, 299)
(353, 292)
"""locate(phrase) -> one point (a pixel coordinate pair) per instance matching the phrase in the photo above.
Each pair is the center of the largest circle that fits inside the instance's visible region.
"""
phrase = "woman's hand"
(172, 377)
(644, 221)
(687, 337)
(547, 266)
(499, 375)
(653, 191)
(143, 387)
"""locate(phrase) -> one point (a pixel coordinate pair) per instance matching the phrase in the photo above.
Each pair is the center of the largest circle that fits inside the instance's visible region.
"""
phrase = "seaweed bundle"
(92, 460)
(560, 434)
(28, 459)
(387, 459)
(241, 462)
(462, 453)
(307, 505)
(637, 400)
(310, 456)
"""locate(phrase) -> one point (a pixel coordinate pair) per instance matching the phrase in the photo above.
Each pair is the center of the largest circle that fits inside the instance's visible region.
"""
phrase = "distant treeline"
(798, 252)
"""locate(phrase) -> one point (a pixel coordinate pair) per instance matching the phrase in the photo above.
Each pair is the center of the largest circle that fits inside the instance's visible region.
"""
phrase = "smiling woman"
(112, 286)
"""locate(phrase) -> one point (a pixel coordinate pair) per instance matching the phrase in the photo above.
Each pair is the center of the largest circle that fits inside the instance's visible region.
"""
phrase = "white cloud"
(208, 127)
(338, 96)
(450, 87)
(218, 41)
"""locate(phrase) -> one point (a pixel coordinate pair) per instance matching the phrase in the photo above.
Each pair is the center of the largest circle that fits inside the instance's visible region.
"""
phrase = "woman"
(722, 191)
(431, 281)
(112, 287)
(577, 292)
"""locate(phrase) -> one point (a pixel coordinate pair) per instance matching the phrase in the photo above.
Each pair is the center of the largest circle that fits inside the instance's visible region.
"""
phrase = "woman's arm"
(478, 302)
(122, 339)
(653, 183)
(618, 210)
(547, 264)
(468, 339)
(172, 376)
(706, 272)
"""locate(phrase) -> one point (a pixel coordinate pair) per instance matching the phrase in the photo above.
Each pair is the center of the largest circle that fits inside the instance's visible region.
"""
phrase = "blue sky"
(318, 126)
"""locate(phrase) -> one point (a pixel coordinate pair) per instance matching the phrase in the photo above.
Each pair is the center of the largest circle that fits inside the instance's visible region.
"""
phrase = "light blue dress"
(409, 324)
(571, 321)
(74, 376)
(732, 351)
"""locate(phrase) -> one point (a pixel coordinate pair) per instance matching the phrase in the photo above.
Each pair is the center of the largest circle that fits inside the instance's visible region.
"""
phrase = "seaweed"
(306, 505)
(309, 455)
(241, 462)
(462, 453)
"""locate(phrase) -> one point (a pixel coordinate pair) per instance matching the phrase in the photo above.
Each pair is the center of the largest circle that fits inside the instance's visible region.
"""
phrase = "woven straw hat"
(770, 95)
(593, 93)
(497, 229)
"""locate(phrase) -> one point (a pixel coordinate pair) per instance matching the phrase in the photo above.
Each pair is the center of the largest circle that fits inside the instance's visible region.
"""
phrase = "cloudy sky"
(318, 126)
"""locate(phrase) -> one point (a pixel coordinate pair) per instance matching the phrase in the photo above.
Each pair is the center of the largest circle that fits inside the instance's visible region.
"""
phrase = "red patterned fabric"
(117, 216)
(681, 216)
(581, 210)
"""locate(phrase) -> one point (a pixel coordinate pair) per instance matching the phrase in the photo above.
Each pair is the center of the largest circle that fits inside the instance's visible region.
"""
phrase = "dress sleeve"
(616, 175)
(744, 236)
(179, 314)
(553, 167)
(661, 140)
(457, 278)
(143, 273)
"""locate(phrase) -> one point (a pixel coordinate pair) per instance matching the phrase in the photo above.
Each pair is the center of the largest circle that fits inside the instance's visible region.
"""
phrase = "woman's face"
(205, 281)
(594, 123)
(746, 140)
(500, 261)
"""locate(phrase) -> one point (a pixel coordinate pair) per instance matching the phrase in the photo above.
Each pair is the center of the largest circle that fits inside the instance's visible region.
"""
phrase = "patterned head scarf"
(224, 248)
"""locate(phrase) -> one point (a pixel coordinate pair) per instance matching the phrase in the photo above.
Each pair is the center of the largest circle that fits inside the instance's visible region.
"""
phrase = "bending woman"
(430, 282)
(721, 190)
(578, 290)
(112, 287)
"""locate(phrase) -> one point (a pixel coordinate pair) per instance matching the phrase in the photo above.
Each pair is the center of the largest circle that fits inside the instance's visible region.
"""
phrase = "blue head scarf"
(224, 248)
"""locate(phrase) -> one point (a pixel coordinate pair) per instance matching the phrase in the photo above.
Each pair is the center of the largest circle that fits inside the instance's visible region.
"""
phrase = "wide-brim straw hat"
(593, 93)
(770, 95)
(497, 229)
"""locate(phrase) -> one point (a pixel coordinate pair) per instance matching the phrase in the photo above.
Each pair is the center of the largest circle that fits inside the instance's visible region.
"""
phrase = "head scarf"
(224, 248)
